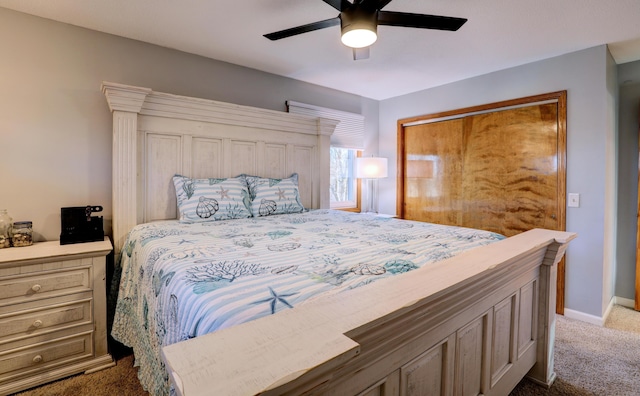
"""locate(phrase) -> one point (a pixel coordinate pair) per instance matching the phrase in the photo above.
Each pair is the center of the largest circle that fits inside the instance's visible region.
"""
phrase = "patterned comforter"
(179, 281)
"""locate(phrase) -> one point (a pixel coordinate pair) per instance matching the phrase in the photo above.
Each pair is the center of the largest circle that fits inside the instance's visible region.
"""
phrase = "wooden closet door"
(433, 172)
(496, 171)
(499, 167)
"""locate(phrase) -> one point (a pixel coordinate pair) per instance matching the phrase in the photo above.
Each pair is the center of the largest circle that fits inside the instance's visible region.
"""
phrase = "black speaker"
(79, 226)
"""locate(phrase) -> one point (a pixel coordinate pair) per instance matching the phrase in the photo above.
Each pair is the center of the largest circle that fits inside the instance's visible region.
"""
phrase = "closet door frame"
(559, 97)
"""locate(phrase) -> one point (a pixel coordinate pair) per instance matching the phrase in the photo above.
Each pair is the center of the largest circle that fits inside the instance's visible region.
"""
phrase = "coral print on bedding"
(201, 200)
(180, 281)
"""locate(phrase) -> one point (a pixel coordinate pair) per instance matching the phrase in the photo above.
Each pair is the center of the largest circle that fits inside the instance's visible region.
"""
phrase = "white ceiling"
(499, 34)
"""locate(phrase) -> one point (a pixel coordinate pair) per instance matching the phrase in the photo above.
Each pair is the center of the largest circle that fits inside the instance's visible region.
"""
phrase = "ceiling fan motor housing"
(359, 18)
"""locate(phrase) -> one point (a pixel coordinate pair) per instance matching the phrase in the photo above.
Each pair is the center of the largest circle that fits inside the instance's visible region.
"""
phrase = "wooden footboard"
(474, 324)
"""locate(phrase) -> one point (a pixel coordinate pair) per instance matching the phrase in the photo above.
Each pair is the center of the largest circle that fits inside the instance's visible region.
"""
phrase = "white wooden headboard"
(157, 135)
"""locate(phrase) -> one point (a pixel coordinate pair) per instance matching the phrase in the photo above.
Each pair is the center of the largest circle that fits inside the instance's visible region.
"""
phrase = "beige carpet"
(589, 360)
(594, 360)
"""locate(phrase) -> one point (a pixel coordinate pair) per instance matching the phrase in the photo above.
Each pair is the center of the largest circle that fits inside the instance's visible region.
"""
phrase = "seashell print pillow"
(274, 196)
(212, 199)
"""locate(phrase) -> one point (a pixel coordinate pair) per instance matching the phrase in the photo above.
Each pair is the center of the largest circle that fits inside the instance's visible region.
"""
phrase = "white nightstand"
(53, 314)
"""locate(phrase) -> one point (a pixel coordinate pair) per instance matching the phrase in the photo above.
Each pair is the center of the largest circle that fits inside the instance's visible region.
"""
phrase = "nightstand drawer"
(45, 356)
(44, 285)
(46, 319)
(53, 312)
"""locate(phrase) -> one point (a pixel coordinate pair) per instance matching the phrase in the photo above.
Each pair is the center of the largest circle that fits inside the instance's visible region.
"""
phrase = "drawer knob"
(36, 288)
(37, 323)
(37, 359)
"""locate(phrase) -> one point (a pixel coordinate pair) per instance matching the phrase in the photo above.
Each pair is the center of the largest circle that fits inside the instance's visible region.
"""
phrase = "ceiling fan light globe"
(359, 38)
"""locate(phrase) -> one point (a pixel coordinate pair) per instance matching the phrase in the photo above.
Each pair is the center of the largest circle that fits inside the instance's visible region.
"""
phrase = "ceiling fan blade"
(423, 21)
(373, 4)
(303, 29)
(360, 53)
(382, 3)
(339, 5)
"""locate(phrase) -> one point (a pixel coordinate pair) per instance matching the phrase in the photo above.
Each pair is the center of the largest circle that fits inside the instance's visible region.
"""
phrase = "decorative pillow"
(201, 200)
(250, 182)
(273, 196)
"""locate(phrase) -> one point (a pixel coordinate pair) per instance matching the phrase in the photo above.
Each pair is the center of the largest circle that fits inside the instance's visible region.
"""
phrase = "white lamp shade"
(371, 167)
(359, 38)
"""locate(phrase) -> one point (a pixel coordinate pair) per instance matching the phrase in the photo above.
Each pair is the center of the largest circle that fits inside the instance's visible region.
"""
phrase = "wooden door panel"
(510, 170)
(483, 174)
(433, 165)
(531, 183)
(495, 171)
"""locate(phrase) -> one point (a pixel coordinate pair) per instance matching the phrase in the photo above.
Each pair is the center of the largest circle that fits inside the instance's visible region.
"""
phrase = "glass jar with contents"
(5, 229)
(22, 233)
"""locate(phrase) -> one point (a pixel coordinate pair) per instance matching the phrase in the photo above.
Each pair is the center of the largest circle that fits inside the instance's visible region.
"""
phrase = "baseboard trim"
(596, 320)
(625, 302)
(607, 311)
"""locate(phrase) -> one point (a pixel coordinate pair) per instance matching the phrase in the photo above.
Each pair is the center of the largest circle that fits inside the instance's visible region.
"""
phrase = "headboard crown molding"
(145, 101)
(124, 97)
(326, 126)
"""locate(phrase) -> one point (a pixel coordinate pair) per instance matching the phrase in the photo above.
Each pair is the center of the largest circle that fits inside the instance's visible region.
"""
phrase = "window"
(347, 142)
(344, 188)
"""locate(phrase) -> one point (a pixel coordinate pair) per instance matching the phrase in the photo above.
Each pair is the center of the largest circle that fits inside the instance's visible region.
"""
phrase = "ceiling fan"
(359, 23)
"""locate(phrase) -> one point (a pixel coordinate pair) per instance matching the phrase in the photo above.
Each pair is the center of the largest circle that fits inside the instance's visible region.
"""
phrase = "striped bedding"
(179, 281)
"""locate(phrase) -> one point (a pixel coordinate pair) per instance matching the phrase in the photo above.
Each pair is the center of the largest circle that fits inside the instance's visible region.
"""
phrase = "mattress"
(179, 281)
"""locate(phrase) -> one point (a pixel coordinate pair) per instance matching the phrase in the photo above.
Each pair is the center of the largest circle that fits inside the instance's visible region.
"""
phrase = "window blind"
(348, 134)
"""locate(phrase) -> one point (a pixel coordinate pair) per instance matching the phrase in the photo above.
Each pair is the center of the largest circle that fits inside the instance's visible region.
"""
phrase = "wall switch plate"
(574, 200)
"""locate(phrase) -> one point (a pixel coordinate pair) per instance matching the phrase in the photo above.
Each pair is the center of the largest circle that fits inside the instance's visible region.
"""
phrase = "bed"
(474, 319)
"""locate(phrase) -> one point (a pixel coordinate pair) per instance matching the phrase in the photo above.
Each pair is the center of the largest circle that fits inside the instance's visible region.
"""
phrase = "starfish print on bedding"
(224, 193)
(280, 194)
(275, 297)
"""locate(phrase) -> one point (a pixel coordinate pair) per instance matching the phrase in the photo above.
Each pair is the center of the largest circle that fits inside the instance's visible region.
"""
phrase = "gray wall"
(629, 78)
(584, 75)
(55, 124)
